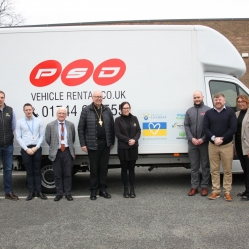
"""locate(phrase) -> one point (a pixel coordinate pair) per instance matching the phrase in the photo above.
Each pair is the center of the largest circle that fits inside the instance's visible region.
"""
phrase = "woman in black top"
(242, 141)
(127, 130)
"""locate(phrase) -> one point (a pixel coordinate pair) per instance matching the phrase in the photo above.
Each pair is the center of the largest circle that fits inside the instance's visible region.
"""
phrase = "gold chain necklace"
(99, 116)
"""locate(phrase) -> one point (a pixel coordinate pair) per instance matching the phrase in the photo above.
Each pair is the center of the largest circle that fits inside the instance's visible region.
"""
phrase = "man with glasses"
(60, 136)
(96, 136)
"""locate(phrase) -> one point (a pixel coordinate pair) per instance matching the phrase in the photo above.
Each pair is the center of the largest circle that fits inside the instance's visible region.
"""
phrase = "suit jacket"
(244, 132)
(52, 138)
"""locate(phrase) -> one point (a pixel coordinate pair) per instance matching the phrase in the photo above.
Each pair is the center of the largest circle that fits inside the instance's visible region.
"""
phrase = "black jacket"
(121, 131)
(87, 128)
(6, 132)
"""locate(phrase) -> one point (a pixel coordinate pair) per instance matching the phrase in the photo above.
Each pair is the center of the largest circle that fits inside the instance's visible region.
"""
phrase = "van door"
(231, 88)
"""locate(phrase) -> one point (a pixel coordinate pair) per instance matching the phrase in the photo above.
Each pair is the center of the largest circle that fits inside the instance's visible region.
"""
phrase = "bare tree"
(8, 17)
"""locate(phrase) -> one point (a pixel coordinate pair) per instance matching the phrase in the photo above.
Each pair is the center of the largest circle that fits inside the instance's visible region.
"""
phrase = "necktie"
(62, 137)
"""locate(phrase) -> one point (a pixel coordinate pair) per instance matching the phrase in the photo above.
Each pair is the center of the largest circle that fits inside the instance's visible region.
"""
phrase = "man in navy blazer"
(60, 136)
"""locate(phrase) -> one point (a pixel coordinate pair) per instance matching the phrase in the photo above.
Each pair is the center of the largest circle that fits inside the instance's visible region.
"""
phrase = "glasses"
(239, 102)
(98, 97)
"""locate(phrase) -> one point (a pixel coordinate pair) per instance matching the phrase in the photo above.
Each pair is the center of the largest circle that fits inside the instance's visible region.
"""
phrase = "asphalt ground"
(161, 216)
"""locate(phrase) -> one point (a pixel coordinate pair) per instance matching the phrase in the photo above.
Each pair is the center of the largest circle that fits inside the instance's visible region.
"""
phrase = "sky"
(70, 11)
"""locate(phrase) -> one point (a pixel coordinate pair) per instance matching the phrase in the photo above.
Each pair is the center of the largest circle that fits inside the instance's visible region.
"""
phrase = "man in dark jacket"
(197, 145)
(7, 127)
(96, 136)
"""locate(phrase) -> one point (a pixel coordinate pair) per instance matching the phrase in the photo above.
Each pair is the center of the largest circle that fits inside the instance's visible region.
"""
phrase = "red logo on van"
(77, 72)
(109, 72)
(45, 73)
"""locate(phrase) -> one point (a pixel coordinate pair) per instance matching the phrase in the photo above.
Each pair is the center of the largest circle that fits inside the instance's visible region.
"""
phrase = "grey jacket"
(193, 122)
(52, 138)
(87, 127)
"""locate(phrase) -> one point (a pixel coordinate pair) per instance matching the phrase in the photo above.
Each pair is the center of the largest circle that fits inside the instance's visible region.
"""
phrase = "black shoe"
(241, 194)
(93, 196)
(11, 196)
(42, 196)
(244, 198)
(30, 197)
(132, 193)
(58, 197)
(69, 197)
(126, 192)
(104, 194)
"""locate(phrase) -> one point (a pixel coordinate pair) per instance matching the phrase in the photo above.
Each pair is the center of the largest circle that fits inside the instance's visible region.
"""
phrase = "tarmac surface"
(161, 216)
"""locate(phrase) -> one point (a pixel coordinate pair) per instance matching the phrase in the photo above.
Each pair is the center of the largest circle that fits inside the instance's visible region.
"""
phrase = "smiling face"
(126, 110)
(97, 98)
(61, 114)
(219, 103)
(241, 104)
(198, 97)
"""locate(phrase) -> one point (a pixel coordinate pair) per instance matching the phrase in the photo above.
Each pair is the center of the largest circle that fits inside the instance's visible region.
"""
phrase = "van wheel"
(47, 179)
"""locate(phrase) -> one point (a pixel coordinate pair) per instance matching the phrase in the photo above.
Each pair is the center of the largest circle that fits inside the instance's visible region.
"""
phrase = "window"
(229, 89)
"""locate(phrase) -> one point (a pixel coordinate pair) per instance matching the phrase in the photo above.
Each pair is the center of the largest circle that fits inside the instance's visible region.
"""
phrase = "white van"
(155, 68)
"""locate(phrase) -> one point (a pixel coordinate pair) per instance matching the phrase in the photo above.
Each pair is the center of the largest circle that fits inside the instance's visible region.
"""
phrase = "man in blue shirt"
(7, 127)
(30, 135)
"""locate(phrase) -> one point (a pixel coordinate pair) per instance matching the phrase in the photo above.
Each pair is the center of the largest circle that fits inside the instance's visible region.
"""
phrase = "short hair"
(124, 103)
(217, 95)
(2, 93)
(244, 97)
(27, 104)
(62, 108)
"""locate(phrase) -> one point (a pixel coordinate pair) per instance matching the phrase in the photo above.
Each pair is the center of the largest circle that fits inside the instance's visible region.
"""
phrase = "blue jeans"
(6, 153)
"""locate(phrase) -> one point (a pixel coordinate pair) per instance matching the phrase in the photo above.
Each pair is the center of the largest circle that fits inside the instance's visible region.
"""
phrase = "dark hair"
(2, 93)
(124, 103)
(27, 104)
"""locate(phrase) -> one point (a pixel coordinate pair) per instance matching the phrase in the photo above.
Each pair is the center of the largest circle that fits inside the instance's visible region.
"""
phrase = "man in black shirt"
(96, 135)
(219, 125)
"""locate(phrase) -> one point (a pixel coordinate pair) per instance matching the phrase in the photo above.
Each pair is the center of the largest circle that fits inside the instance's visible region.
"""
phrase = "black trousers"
(32, 164)
(128, 166)
(62, 167)
(99, 166)
(244, 161)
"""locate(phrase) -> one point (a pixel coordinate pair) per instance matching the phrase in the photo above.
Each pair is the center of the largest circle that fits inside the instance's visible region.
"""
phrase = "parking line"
(52, 197)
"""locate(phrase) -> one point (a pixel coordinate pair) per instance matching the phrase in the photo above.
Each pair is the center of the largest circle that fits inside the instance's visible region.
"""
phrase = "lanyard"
(29, 126)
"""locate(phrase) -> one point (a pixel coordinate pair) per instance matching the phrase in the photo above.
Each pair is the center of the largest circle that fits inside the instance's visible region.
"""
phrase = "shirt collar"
(224, 107)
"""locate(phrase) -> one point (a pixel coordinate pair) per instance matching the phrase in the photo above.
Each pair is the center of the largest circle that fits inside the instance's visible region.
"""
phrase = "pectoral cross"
(100, 122)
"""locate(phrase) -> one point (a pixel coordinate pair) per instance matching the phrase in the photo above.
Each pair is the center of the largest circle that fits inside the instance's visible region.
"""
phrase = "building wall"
(236, 30)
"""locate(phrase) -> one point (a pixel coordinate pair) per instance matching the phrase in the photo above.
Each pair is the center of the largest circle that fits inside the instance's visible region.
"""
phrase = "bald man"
(96, 135)
(197, 145)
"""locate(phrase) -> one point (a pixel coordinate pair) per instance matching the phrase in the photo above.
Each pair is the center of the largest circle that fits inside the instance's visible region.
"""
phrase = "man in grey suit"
(60, 136)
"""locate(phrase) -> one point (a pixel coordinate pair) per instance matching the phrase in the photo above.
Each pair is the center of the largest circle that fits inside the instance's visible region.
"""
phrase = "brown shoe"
(193, 191)
(11, 196)
(214, 196)
(204, 191)
(228, 197)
